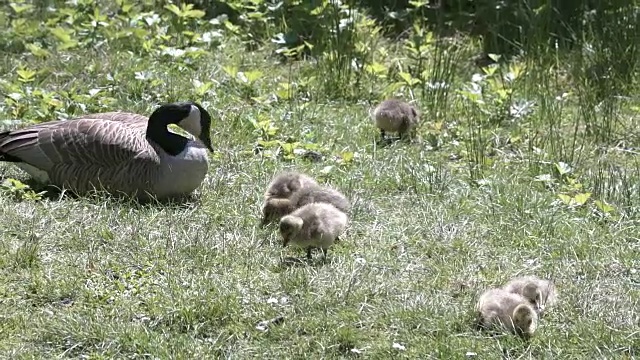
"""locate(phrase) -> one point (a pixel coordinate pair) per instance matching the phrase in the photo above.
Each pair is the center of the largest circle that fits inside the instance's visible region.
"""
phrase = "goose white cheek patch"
(192, 122)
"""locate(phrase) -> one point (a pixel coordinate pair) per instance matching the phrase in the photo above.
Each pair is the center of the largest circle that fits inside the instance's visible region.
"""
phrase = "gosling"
(277, 202)
(315, 225)
(541, 293)
(393, 115)
(286, 183)
(321, 194)
(497, 307)
(275, 208)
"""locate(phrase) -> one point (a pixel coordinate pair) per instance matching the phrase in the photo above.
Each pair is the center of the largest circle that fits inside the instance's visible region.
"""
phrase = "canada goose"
(541, 293)
(497, 307)
(277, 198)
(393, 115)
(120, 152)
(316, 225)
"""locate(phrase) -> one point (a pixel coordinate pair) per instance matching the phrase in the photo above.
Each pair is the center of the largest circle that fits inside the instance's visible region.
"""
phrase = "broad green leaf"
(61, 34)
(26, 75)
(563, 168)
(604, 207)
(68, 45)
(36, 50)
(196, 14)
(253, 75)
(174, 9)
(230, 70)
(284, 91)
(494, 57)
(375, 68)
(565, 198)
(347, 157)
(408, 78)
(582, 198)
(20, 8)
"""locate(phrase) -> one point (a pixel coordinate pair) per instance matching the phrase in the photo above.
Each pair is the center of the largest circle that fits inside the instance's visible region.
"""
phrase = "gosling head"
(274, 209)
(532, 292)
(525, 320)
(289, 227)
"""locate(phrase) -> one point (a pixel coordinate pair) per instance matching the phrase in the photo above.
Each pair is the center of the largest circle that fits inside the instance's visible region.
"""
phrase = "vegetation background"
(527, 163)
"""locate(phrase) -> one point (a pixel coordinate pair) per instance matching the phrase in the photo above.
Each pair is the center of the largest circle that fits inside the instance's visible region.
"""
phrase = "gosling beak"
(285, 242)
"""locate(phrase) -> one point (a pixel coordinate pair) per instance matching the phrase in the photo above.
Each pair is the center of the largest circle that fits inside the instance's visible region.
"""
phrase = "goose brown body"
(108, 151)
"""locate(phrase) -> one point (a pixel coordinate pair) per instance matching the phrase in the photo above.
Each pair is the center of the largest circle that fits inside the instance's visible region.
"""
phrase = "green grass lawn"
(434, 223)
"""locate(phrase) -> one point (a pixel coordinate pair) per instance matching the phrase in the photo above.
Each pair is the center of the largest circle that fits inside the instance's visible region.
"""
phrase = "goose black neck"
(172, 143)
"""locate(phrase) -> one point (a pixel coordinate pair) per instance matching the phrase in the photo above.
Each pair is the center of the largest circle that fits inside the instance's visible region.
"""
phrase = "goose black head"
(190, 116)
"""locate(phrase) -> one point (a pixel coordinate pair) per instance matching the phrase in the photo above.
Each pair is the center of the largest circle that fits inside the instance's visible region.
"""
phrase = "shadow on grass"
(54, 193)
(290, 261)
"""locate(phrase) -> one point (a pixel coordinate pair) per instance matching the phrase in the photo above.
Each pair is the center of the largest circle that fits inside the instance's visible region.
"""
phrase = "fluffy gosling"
(277, 201)
(498, 307)
(393, 115)
(275, 208)
(315, 225)
(541, 293)
(321, 194)
(286, 183)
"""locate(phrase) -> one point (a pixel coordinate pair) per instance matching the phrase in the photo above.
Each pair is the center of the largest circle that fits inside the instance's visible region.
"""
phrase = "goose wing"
(131, 119)
(84, 152)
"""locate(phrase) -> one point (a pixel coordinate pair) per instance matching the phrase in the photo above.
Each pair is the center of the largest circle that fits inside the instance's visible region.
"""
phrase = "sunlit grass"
(505, 181)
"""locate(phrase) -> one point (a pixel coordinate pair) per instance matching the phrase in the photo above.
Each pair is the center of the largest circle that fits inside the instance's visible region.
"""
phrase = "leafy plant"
(19, 191)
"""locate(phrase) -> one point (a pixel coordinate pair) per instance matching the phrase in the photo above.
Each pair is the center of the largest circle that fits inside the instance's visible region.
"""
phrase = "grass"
(434, 223)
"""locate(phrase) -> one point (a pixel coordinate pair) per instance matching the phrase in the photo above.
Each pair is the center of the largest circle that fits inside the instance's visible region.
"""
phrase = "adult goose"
(120, 152)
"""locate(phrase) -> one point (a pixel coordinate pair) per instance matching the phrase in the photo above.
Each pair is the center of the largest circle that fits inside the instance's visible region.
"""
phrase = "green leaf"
(253, 75)
(284, 91)
(565, 198)
(347, 157)
(64, 36)
(196, 14)
(230, 70)
(20, 8)
(494, 57)
(61, 34)
(408, 78)
(174, 9)
(604, 207)
(36, 50)
(582, 198)
(375, 68)
(563, 168)
(26, 75)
